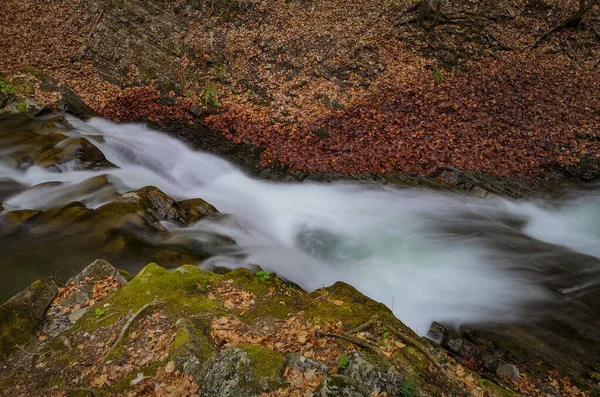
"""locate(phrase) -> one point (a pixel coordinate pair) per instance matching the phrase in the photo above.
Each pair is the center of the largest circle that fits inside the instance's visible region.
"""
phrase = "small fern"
(408, 387)
(437, 76)
(343, 361)
(210, 95)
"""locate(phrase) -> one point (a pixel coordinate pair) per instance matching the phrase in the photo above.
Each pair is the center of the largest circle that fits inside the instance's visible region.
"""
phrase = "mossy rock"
(20, 314)
(192, 347)
(376, 374)
(243, 370)
(182, 292)
(340, 386)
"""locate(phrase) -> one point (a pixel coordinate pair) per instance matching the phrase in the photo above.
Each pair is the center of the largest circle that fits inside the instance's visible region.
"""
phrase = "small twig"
(206, 315)
(357, 341)
(408, 340)
(30, 353)
(87, 42)
(575, 57)
(361, 326)
(128, 324)
(91, 391)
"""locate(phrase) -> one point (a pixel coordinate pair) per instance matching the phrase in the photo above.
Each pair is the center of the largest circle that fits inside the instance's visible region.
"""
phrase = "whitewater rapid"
(429, 256)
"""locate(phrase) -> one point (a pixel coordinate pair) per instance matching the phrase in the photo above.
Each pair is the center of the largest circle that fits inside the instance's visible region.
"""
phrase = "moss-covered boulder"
(341, 386)
(377, 375)
(242, 371)
(20, 315)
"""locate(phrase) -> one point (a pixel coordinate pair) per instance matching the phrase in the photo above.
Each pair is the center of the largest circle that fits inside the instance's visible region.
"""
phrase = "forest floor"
(353, 86)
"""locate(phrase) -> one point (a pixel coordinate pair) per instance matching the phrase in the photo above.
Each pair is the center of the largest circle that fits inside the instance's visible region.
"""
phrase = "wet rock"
(78, 150)
(508, 370)
(9, 187)
(21, 313)
(242, 371)
(340, 386)
(15, 221)
(156, 203)
(479, 192)
(304, 364)
(490, 362)
(197, 209)
(375, 374)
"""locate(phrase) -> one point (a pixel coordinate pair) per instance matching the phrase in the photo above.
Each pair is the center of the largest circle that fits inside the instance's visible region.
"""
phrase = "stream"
(428, 255)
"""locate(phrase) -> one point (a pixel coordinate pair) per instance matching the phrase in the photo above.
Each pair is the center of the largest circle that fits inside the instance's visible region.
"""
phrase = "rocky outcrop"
(32, 92)
(21, 315)
(233, 334)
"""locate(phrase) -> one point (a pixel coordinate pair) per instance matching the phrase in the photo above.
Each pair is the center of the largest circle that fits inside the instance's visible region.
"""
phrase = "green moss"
(355, 309)
(192, 340)
(497, 390)
(6, 88)
(125, 274)
(244, 278)
(412, 360)
(272, 308)
(16, 322)
(265, 363)
(22, 107)
(181, 291)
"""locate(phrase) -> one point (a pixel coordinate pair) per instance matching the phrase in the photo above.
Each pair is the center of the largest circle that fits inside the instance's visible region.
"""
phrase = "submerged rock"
(197, 209)
(156, 203)
(79, 151)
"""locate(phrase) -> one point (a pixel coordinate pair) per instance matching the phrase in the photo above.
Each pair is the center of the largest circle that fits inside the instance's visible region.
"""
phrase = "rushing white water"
(424, 254)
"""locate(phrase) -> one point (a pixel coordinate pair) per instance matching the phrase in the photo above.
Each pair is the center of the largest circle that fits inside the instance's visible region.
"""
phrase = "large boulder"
(242, 371)
(375, 374)
(340, 386)
(20, 315)
(155, 203)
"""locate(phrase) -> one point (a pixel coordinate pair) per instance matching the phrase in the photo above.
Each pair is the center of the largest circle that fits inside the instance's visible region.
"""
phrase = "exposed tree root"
(128, 324)
(357, 341)
(573, 21)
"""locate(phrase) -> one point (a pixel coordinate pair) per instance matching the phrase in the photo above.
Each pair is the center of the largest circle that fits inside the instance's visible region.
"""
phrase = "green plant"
(263, 275)
(437, 76)
(99, 312)
(342, 362)
(222, 74)
(6, 88)
(408, 387)
(22, 107)
(210, 95)
(385, 332)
